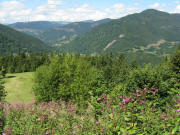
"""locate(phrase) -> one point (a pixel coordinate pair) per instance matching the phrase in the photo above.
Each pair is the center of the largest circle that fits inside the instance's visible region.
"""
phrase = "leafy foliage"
(2, 96)
(175, 61)
(125, 115)
(71, 79)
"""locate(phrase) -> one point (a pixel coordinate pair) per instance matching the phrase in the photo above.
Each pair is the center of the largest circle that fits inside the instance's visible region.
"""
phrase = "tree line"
(22, 62)
(78, 78)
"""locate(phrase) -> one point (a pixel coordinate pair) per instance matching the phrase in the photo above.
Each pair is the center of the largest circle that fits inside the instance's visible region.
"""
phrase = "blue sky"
(78, 10)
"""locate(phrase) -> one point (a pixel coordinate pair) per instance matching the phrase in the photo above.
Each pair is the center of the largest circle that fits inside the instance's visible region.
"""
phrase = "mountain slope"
(36, 25)
(151, 31)
(34, 28)
(61, 35)
(12, 41)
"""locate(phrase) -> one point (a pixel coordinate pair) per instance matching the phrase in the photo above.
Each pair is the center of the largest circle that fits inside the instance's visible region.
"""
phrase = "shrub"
(175, 61)
(159, 77)
(125, 115)
(68, 79)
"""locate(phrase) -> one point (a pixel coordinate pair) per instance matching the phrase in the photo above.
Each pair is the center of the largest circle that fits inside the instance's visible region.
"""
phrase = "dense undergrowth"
(135, 114)
(98, 95)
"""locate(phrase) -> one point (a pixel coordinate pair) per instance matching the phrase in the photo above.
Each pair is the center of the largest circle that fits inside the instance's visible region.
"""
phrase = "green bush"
(175, 61)
(70, 79)
(160, 77)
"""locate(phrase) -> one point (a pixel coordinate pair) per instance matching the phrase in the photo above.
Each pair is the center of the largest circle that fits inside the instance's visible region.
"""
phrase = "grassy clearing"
(19, 87)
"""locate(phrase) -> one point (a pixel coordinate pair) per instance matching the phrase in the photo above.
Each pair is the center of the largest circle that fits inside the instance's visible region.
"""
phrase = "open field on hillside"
(19, 87)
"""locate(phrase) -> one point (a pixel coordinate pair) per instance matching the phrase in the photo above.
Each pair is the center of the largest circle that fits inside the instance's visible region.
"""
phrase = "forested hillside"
(57, 33)
(34, 28)
(36, 25)
(151, 33)
(62, 35)
(12, 41)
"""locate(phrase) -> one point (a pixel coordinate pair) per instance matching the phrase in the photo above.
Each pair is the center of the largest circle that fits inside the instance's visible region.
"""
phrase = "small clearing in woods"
(19, 88)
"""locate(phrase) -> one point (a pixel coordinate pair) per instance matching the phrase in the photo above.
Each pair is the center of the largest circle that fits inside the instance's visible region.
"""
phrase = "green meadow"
(19, 87)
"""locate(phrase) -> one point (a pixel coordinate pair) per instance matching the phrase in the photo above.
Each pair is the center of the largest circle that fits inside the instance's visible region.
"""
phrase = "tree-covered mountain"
(151, 33)
(57, 33)
(34, 28)
(61, 35)
(12, 41)
(37, 25)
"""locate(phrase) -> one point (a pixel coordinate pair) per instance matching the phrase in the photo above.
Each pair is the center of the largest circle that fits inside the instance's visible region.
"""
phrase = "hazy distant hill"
(151, 33)
(12, 41)
(34, 28)
(37, 25)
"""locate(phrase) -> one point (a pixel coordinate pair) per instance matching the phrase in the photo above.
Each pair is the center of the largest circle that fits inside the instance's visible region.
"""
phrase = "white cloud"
(158, 6)
(54, 10)
(119, 10)
(54, 2)
(155, 6)
(13, 11)
(177, 9)
(177, 2)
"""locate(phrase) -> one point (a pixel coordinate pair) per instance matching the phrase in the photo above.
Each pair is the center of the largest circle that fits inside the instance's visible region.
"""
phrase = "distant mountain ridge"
(37, 25)
(34, 28)
(62, 35)
(57, 33)
(151, 33)
(12, 41)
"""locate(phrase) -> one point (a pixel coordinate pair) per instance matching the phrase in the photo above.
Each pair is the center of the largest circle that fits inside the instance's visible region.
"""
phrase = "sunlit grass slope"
(19, 87)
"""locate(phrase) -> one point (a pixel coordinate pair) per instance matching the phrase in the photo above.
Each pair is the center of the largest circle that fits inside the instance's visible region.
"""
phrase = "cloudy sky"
(77, 10)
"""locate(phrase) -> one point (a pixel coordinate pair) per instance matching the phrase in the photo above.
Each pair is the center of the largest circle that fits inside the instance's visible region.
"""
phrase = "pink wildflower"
(104, 95)
(145, 88)
(97, 123)
(47, 133)
(9, 130)
(78, 130)
(102, 130)
(178, 100)
(74, 132)
(166, 119)
(164, 126)
(138, 91)
(104, 102)
(76, 126)
(99, 99)
(178, 110)
(126, 100)
(25, 133)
